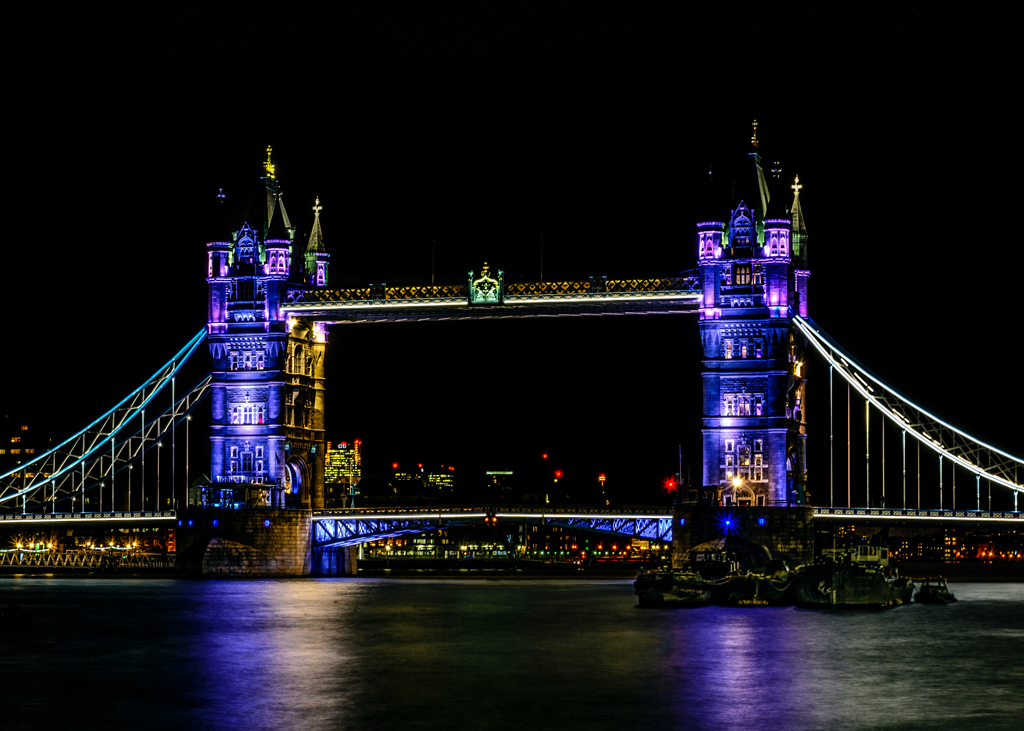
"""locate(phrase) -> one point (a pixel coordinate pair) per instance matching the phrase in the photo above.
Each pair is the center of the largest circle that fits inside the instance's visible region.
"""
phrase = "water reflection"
(426, 654)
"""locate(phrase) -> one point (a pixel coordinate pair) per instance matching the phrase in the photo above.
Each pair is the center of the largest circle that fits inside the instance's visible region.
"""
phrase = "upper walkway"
(596, 296)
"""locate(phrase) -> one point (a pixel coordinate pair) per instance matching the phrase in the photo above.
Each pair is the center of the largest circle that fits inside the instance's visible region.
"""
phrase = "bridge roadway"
(545, 513)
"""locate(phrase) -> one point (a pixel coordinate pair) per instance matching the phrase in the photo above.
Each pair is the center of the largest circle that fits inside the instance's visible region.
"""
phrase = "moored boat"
(856, 578)
(933, 590)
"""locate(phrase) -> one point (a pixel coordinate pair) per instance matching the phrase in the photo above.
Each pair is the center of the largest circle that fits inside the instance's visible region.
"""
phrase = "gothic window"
(775, 245)
(728, 407)
(248, 361)
(233, 467)
(729, 445)
(757, 407)
(259, 452)
(758, 473)
(259, 361)
(758, 444)
(259, 467)
(757, 460)
(309, 366)
(320, 275)
(728, 276)
(233, 361)
(742, 274)
(757, 274)
(743, 348)
(757, 349)
(746, 406)
(745, 456)
(246, 461)
(234, 417)
(234, 453)
(259, 415)
(728, 349)
(728, 460)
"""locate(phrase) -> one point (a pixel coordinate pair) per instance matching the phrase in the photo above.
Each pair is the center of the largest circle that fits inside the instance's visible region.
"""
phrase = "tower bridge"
(272, 307)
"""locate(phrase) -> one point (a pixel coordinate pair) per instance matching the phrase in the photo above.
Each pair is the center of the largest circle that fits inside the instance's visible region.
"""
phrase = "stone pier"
(787, 532)
(255, 542)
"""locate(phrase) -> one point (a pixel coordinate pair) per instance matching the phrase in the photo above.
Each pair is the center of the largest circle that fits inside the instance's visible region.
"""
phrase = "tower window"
(729, 445)
(757, 408)
(757, 349)
(728, 349)
(743, 349)
(259, 452)
(745, 456)
(741, 274)
(234, 453)
(759, 443)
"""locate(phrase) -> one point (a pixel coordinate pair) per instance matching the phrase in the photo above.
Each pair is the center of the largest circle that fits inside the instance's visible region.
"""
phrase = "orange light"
(420, 465)
(394, 465)
(544, 456)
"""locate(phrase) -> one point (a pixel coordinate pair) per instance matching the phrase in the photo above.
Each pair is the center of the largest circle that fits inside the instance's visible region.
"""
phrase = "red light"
(420, 465)
(544, 456)
(669, 485)
(394, 465)
(451, 469)
(558, 473)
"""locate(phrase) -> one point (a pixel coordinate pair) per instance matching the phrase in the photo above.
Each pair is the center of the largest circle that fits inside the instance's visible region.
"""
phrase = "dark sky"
(489, 124)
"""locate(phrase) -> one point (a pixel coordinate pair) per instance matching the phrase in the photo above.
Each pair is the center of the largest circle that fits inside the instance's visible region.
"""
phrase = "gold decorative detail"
(268, 165)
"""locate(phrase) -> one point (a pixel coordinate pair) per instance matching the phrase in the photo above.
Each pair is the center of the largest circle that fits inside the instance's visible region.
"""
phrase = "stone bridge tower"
(267, 439)
(753, 272)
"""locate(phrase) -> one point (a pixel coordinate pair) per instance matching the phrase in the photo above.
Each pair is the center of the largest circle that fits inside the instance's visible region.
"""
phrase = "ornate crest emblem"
(486, 289)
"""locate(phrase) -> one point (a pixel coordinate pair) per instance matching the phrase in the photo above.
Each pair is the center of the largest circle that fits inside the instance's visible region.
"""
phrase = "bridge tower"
(267, 439)
(753, 273)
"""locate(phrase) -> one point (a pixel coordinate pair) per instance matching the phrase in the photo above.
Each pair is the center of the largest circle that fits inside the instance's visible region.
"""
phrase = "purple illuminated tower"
(753, 272)
(267, 440)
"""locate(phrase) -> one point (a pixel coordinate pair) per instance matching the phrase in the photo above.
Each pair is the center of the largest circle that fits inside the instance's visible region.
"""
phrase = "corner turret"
(317, 258)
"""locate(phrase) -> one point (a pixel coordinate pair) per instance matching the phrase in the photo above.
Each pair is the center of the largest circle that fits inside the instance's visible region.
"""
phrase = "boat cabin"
(860, 555)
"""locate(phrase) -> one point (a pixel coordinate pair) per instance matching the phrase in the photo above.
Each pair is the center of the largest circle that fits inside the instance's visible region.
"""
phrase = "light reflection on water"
(494, 654)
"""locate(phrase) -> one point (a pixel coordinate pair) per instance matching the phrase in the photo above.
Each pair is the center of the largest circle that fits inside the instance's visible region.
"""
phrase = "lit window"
(757, 405)
(728, 349)
(30, 451)
(15, 451)
(234, 416)
(757, 349)
(24, 427)
(728, 407)
(15, 440)
(3, 451)
(728, 460)
(743, 349)
(741, 274)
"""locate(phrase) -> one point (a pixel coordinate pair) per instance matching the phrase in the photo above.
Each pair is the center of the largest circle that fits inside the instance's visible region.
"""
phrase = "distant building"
(442, 482)
(343, 469)
(18, 443)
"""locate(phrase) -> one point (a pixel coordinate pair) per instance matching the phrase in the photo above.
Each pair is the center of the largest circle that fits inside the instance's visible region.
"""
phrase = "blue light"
(266, 523)
(728, 523)
(760, 521)
(215, 522)
(190, 524)
(179, 523)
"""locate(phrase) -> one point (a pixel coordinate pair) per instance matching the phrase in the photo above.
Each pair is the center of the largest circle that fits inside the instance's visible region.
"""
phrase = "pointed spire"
(798, 228)
(799, 225)
(316, 237)
(268, 166)
(278, 230)
(753, 140)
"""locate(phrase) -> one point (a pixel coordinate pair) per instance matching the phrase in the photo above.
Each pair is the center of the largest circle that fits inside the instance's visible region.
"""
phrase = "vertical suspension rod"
(831, 471)
(867, 451)
(904, 450)
(940, 482)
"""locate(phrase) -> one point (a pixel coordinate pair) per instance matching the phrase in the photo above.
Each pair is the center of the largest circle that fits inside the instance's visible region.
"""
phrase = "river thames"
(494, 654)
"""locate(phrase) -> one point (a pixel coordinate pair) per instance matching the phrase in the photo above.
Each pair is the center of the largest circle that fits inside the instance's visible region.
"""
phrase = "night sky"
(490, 126)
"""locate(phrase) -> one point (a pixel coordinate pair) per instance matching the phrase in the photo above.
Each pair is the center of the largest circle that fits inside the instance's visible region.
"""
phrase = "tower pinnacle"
(269, 165)
(753, 140)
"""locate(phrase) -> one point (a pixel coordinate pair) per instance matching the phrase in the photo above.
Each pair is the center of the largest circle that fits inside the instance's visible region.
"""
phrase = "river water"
(494, 654)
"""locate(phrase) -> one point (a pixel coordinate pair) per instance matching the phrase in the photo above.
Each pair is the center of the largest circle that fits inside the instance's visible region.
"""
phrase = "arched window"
(234, 415)
(260, 415)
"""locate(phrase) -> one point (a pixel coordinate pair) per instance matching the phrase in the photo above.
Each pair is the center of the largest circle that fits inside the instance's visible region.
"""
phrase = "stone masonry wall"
(787, 532)
(242, 544)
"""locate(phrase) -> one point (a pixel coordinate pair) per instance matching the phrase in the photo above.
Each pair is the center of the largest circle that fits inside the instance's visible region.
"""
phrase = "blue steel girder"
(338, 532)
(651, 528)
